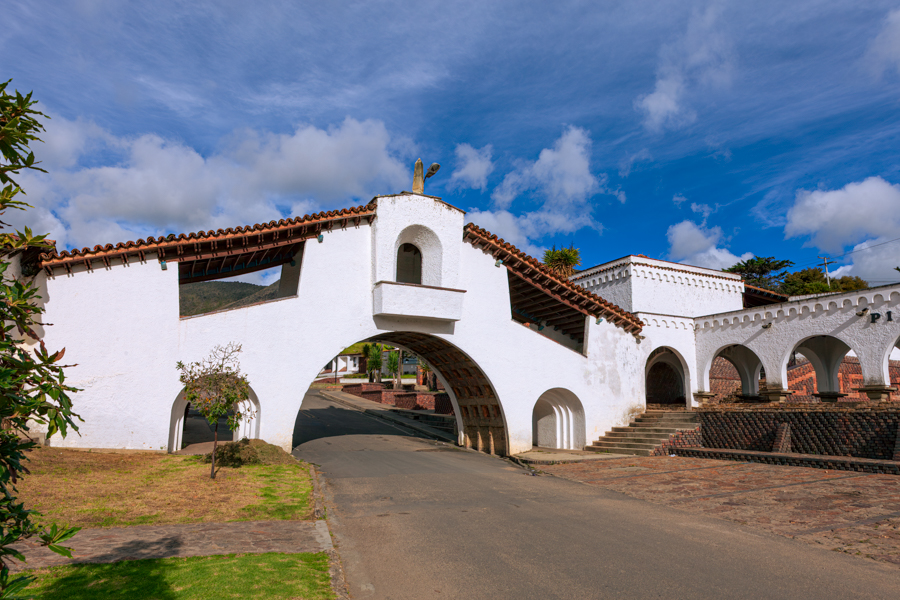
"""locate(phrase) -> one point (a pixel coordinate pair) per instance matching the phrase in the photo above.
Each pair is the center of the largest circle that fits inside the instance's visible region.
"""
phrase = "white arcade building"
(526, 357)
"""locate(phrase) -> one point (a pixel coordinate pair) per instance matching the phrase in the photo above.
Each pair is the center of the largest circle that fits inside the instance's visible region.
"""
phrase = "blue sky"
(699, 132)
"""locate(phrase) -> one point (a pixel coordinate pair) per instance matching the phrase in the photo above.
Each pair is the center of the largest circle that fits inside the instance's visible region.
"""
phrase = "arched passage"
(483, 426)
(667, 381)
(409, 264)
(558, 421)
(822, 379)
(247, 428)
(747, 365)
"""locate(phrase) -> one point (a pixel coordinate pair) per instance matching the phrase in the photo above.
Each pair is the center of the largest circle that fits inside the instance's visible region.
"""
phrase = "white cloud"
(561, 182)
(628, 163)
(473, 167)
(884, 51)
(702, 209)
(874, 260)
(834, 219)
(562, 174)
(701, 58)
(678, 200)
(152, 186)
(693, 244)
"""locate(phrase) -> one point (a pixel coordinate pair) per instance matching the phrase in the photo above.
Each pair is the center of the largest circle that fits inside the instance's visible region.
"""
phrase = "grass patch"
(271, 576)
(95, 489)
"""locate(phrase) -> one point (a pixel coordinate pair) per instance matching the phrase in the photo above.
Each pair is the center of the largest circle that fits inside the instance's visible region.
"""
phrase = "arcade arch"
(825, 354)
(558, 421)
(747, 364)
(247, 428)
(667, 378)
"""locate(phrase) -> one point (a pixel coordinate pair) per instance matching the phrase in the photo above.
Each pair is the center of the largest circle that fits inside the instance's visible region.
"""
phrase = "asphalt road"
(415, 519)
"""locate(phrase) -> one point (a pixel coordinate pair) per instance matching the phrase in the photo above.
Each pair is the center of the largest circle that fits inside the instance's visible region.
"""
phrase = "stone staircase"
(645, 433)
(445, 423)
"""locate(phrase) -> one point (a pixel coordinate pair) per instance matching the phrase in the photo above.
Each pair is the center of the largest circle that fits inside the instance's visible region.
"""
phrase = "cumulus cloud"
(697, 245)
(472, 167)
(150, 185)
(834, 219)
(884, 51)
(561, 174)
(560, 182)
(701, 58)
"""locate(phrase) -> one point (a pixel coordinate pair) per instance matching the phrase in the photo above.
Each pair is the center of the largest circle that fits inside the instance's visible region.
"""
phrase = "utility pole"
(827, 277)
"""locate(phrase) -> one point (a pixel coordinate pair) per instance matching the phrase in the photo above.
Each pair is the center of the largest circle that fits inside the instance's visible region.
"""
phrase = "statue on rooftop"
(419, 176)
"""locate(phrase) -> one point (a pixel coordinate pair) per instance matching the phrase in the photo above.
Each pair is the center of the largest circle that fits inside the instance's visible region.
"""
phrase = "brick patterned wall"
(724, 381)
(689, 438)
(869, 432)
(442, 404)
(357, 389)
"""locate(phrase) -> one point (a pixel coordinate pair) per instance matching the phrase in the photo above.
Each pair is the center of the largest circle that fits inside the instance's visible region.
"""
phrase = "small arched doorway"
(557, 421)
(666, 380)
(409, 264)
(181, 420)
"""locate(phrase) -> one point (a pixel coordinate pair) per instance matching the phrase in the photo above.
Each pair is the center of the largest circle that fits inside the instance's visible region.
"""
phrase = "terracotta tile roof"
(531, 270)
(208, 244)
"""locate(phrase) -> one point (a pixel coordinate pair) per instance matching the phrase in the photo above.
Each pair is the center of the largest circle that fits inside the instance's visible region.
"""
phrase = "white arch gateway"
(523, 354)
(497, 326)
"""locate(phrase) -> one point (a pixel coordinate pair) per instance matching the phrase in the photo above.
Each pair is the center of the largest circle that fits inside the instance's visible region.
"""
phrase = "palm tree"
(563, 261)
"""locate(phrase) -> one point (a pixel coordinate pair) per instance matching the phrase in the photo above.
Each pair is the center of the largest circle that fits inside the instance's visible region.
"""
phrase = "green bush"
(235, 454)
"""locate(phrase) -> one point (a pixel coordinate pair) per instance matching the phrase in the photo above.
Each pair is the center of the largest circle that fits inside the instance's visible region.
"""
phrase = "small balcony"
(392, 299)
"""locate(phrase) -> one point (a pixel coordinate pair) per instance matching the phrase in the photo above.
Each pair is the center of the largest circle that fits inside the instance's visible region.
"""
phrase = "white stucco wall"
(640, 284)
(119, 325)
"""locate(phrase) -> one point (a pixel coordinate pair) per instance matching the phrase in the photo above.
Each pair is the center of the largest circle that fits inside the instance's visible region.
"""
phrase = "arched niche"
(557, 421)
(431, 253)
(247, 428)
(409, 264)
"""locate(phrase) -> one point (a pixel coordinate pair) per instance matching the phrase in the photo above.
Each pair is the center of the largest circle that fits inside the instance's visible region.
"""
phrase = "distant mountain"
(207, 296)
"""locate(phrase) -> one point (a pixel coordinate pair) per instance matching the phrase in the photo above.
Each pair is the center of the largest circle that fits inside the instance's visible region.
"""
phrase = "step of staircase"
(647, 432)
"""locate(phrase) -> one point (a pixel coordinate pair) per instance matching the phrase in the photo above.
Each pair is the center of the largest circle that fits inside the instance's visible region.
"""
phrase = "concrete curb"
(386, 415)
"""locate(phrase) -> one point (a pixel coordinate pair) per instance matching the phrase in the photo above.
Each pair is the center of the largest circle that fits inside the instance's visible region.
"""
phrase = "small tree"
(393, 366)
(32, 381)
(562, 261)
(374, 360)
(216, 387)
(762, 271)
(365, 353)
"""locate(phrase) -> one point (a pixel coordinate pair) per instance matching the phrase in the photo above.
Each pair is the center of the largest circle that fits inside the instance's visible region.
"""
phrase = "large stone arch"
(429, 245)
(247, 428)
(666, 356)
(482, 423)
(558, 421)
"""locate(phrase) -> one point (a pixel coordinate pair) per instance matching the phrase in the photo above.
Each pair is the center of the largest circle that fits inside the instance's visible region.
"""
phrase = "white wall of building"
(640, 284)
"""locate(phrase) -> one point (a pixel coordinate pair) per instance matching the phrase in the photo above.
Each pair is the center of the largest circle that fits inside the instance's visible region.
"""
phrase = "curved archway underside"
(484, 428)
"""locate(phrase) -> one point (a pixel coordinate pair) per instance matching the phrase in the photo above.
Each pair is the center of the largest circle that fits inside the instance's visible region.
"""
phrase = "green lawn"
(272, 576)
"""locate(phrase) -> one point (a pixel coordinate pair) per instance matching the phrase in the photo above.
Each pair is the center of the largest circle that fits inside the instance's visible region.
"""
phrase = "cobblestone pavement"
(167, 541)
(855, 513)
